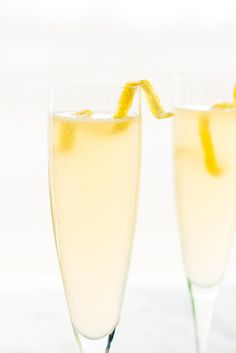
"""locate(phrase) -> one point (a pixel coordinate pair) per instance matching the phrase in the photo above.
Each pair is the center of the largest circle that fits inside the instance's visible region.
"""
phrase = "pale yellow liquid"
(94, 177)
(206, 203)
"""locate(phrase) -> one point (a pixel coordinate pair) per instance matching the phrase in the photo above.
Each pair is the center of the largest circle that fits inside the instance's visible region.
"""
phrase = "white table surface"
(34, 319)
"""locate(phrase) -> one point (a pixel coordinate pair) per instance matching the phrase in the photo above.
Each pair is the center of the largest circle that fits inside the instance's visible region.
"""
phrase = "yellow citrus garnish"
(206, 138)
(127, 96)
(67, 131)
(207, 145)
(66, 136)
(224, 106)
(84, 113)
(157, 110)
(126, 99)
(153, 101)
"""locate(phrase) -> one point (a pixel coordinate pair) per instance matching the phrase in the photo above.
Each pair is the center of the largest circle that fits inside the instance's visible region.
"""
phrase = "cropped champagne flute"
(205, 180)
(94, 171)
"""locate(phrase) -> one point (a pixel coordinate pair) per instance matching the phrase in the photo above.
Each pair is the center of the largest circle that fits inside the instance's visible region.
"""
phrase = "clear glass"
(205, 175)
(94, 172)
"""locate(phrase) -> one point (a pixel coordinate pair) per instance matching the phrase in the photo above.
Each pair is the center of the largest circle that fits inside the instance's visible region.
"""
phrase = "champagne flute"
(94, 171)
(205, 180)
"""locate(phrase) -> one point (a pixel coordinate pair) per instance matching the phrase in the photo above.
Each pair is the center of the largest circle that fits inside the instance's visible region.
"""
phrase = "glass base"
(100, 345)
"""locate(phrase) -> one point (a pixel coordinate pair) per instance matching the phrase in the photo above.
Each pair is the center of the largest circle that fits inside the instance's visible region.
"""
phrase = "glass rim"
(203, 89)
(201, 108)
(57, 114)
(65, 88)
(68, 84)
(231, 76)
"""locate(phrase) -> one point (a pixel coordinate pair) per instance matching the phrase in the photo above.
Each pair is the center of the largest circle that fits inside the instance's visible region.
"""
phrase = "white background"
(95, 43)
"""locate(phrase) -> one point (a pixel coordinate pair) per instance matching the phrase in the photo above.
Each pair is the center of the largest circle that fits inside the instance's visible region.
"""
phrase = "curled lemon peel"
(208, 146)
(224, 106)
(67, 131)
(127, 96)
(206, 138)
(66, 136)
(153, 101)
(126, 99)
(84, 113)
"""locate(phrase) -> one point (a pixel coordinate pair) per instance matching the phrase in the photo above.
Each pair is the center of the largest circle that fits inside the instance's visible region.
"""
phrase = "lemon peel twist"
(127, 95)
(126, 99)
(67, 131)
(226, 105)
(207, 145)
(206, 138)
(84, 113)
(153, 101)
(66, 136)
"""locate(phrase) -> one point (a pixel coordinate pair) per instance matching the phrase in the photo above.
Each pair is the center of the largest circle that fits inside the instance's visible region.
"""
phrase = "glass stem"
(99, 345)
(203, 304)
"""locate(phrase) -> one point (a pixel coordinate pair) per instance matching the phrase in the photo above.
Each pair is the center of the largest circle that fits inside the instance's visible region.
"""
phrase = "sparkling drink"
(94, 176)
(206, 203)
(205, 168)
